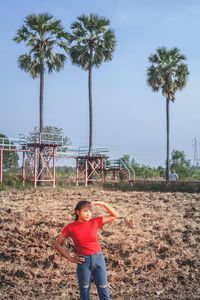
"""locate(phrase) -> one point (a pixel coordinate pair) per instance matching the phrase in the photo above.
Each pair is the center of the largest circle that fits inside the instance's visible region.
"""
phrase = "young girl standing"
(89, 257)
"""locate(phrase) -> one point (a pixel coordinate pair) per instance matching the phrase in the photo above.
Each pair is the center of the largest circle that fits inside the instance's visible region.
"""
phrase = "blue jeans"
(93, 267)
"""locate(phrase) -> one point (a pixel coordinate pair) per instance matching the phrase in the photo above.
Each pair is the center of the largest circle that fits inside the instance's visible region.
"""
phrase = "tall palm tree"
(169, 74)
(91, 43)
(42, 35)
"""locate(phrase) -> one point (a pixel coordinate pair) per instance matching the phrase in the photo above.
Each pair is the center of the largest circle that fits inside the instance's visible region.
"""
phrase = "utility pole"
(195, 157)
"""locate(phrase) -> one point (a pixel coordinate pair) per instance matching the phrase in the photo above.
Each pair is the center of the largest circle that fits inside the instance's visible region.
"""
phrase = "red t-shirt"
(84, 235)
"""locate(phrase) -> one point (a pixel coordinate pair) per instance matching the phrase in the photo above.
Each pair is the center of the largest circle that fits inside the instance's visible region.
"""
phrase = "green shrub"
(12, 180)
(2, 187)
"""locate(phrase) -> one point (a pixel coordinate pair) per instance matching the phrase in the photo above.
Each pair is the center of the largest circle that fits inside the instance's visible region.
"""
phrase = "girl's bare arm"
(59, 247)
(113, 214)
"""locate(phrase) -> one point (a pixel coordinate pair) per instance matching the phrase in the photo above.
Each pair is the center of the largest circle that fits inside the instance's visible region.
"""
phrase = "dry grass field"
(152, 251)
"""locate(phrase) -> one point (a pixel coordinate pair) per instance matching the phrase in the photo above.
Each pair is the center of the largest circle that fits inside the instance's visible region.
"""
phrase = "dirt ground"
(152, 251)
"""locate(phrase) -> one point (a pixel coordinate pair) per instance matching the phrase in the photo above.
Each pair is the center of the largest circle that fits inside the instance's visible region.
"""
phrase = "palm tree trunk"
(90, 104)
(42, 97)
(167, 121)
(41, 127)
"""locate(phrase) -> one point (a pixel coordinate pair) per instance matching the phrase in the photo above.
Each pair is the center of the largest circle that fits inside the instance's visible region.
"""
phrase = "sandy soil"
(152, 251)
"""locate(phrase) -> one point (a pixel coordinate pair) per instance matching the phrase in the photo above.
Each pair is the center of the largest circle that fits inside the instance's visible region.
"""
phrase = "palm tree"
(92, 42)
(169, 74)
(42, 35)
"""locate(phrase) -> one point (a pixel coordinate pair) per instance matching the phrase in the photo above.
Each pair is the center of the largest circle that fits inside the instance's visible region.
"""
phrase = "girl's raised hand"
(99, 203)
(113, 214)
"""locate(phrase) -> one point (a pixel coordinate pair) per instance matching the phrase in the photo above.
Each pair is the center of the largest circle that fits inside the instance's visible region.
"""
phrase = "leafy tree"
(42, 35)
(134, 163)
(161, 171)
(169, 74)
(180, 164)
(195, 173)
(50, 133)
(126, 158)
(147, 172)
(10, 158)
(179, 158)
(91, 43)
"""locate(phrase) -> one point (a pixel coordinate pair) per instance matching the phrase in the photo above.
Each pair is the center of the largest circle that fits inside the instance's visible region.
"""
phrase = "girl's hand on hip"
(77, 259)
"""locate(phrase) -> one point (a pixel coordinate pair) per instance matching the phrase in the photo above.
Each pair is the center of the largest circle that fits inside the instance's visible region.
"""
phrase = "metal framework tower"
(91, 168)
(38, 162)
(95, 168)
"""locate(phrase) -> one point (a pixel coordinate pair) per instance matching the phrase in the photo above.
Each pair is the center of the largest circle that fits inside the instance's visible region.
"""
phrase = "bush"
(13, 180)
(2, 187)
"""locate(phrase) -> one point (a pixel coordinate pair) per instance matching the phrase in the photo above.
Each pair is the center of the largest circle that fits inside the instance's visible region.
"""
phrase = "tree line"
(178, 162)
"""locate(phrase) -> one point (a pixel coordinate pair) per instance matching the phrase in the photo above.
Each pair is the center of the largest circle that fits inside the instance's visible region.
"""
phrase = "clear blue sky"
(128, 117)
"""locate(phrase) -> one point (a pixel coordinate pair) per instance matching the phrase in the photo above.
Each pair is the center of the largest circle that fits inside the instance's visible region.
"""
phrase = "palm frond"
(167, 71)
(91, 33)
(28, 64)
(41, 33)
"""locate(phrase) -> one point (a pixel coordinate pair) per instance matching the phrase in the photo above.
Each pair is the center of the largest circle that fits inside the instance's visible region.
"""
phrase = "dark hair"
(79, 206)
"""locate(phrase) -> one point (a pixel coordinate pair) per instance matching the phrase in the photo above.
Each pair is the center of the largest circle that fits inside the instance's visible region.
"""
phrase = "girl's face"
(84, 214)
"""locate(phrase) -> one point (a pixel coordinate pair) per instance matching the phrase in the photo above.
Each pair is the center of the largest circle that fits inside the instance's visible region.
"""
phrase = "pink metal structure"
(38, 162)
(30, 164)
(90, 168)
